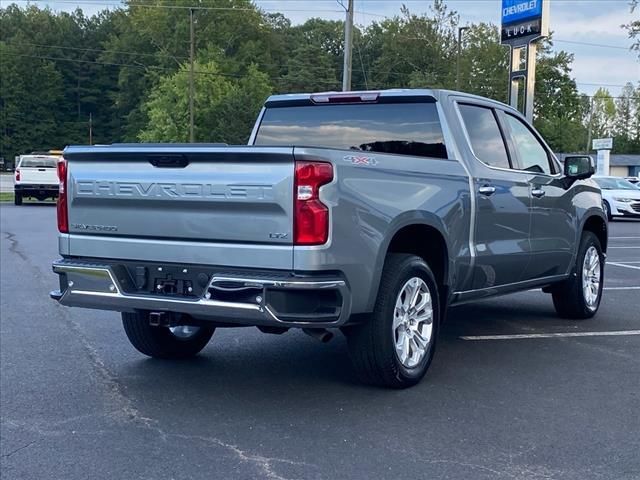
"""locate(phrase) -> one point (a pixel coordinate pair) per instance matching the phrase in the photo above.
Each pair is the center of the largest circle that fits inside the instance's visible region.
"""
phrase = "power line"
(172, 7)
(113, 64)
(149, 67)
(121, 52)
(588, 44)
(97, 50)
(600, 84)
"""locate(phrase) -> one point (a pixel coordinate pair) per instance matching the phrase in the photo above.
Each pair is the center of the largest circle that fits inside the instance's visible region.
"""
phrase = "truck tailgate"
(208, 194)
(38, 176)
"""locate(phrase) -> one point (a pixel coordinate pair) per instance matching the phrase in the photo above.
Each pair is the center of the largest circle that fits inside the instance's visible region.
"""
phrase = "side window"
(486, 139)
(531, 154)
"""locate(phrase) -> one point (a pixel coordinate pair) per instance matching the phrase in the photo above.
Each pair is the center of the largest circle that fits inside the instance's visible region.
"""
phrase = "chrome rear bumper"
(98, 287)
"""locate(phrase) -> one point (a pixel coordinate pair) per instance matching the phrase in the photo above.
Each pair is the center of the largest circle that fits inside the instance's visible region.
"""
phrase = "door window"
(485, 136)
(532, 156)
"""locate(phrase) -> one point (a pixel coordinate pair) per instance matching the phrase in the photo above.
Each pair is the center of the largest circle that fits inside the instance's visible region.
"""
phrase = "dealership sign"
(523, 20)
(602, 143)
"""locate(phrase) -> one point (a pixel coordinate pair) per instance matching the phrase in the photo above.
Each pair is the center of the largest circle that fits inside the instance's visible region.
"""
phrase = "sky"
(606, 62)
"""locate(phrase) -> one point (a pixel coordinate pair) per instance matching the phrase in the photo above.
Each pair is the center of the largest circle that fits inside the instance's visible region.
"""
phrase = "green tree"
(416, 50)
(623, 122)
(484, 62)
(559, 109)
(603, 114)
(633, 28)
(31, 94)
(225, 108)
(310, 69)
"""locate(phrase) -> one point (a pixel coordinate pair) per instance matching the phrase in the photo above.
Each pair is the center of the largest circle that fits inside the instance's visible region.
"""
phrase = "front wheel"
(394, 348)
(579, 297)
(607, 210)
(182, 341)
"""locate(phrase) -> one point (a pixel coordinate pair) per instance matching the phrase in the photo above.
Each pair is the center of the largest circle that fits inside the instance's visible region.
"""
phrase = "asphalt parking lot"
(78, 402)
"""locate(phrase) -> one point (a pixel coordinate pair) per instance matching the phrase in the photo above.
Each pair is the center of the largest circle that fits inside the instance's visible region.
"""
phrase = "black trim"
(230, 154)
(496, 117)
(305, 102)
(101, 234)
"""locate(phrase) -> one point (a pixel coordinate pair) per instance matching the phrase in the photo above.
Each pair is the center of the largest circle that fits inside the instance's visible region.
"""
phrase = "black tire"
(17, 199)
(372, 344)
(160, 342)
(568, 296)
(607, 210)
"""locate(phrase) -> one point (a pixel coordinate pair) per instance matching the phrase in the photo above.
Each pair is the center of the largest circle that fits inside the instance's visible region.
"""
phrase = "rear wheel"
(395, 346)
(181, 341)
(17, 199)
(579, 296)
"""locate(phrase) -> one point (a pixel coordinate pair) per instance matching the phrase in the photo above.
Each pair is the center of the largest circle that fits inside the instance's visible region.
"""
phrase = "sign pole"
(524, 23)
(532, 49)
(603, 146)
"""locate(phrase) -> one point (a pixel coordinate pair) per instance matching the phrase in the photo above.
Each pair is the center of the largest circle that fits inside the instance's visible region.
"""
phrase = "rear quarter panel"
(370, 200)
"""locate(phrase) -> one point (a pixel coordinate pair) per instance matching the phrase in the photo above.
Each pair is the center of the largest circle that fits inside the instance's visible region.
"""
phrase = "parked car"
(372, 212)
(634, 180)
(36, 176)
(620, 197)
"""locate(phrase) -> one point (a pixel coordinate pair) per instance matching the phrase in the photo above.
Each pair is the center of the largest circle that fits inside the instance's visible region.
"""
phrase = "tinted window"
(401, 128)
(39, 162)
(485, 136)
(531, 154)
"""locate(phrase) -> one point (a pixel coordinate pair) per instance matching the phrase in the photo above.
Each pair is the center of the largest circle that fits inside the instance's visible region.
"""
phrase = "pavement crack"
(264, 463)
(13, 245)
(7, 455)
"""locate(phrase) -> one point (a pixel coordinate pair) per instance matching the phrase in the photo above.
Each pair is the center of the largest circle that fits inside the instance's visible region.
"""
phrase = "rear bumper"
(36, 189)
(267, 299)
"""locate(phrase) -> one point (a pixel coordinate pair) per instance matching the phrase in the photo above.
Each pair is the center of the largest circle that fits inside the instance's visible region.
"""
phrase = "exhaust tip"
(321, 334)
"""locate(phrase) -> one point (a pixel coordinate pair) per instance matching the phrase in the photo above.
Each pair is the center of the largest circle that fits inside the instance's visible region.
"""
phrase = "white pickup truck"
(36, 176)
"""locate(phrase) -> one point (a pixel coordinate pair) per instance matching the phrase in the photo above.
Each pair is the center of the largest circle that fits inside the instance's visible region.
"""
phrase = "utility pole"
(191, 85)
(590, 131)
(348, 46)
(460, 30)
(90, 128)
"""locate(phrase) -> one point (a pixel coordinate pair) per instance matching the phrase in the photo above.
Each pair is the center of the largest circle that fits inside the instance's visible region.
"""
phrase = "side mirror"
(579, 167)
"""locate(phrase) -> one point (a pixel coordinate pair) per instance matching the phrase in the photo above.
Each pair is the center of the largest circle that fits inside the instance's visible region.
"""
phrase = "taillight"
(311, 216)
(17, 175)
(63, 213)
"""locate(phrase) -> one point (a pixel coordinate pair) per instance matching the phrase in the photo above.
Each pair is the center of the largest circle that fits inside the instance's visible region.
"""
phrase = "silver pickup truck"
(371, 212)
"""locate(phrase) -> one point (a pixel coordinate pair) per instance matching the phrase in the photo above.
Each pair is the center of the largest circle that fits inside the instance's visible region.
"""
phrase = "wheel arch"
(597, 224)
(433, 248)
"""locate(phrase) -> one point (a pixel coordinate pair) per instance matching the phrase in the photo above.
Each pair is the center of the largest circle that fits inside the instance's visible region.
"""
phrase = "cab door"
(553, 226)
(503, 202)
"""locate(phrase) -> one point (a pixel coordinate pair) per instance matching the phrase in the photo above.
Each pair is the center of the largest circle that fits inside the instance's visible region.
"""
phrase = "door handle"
(538, 192)
(487, 190)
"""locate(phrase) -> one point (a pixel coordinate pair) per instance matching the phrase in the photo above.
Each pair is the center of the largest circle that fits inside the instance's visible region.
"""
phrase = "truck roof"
(437, 94)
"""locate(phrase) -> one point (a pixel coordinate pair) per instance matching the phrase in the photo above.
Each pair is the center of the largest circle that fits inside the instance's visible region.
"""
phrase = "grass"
(8, 197)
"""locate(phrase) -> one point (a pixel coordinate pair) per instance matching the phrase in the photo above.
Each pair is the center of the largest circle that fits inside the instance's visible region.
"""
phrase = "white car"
(619, 196)
(36, 176)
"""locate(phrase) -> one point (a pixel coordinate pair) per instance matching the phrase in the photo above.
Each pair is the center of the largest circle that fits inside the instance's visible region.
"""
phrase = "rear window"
(39, 162)
(399, 128)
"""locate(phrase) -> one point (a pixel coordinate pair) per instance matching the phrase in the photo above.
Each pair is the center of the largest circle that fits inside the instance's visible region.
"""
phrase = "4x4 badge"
(360, 160)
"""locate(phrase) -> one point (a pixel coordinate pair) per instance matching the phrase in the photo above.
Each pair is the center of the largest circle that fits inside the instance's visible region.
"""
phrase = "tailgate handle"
(168, 161)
